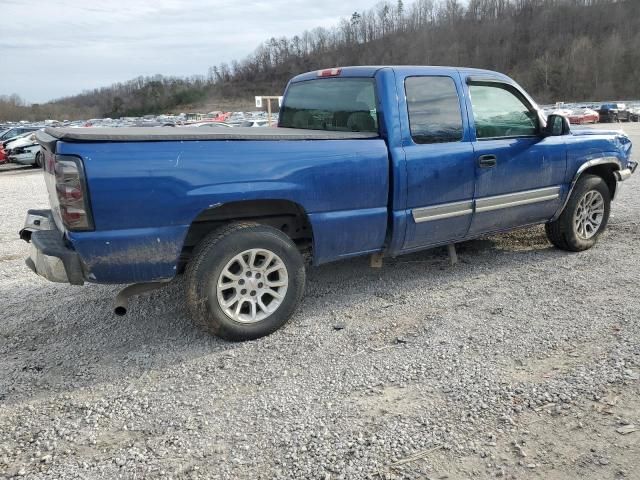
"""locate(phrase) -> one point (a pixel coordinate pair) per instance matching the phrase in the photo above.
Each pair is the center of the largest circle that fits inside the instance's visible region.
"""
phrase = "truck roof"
(371, 70)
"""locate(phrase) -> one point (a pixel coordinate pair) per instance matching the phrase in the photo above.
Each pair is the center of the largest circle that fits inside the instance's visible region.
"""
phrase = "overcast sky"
(54, 48)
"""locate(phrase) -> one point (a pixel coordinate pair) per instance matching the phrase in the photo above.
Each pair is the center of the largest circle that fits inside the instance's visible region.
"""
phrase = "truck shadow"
(54, 338)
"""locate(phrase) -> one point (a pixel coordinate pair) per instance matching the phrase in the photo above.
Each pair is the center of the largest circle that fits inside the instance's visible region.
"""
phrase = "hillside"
(569, 50)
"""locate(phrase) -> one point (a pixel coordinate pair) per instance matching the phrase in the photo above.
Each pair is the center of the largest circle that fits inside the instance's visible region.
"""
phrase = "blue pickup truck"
(376, 161)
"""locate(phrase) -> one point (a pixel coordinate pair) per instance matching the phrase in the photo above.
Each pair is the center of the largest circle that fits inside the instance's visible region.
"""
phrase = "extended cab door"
(519, 173)
(439, 159)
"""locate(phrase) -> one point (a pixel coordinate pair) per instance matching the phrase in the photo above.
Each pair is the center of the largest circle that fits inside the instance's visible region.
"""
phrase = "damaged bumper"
(50, 257)
(622, 175)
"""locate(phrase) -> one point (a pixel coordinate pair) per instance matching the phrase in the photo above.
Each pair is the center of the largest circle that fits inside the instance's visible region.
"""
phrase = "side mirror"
(557, 125)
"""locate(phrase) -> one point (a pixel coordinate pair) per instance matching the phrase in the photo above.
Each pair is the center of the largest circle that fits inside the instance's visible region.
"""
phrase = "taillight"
(72, 194)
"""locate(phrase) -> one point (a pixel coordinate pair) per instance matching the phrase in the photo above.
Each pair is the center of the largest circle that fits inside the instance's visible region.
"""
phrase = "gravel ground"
(522, 361)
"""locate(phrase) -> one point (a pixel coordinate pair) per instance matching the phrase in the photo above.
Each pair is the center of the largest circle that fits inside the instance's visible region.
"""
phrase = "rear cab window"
(338, 104)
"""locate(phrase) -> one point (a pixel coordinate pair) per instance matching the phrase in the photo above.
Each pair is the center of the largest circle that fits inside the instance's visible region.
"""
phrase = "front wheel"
(584, 217)
(244, 281)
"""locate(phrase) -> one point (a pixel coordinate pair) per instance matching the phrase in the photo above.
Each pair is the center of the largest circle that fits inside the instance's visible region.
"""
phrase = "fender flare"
(608, 160)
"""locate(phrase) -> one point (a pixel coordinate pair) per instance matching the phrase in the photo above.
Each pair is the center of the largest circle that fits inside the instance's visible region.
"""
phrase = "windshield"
(341, 104)
(7, 134)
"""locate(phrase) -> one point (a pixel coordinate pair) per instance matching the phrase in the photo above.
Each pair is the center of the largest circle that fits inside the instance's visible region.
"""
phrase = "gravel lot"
(522, 361)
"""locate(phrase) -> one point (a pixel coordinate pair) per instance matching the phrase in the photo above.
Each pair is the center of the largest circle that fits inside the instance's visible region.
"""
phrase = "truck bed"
(164, 134)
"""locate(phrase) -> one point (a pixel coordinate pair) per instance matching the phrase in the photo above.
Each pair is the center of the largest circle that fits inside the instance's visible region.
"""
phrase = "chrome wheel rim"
(589, 214)
(252, 285)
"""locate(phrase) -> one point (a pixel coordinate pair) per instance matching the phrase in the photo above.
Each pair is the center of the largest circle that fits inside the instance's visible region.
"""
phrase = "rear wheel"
(584, 217)
(244, 281)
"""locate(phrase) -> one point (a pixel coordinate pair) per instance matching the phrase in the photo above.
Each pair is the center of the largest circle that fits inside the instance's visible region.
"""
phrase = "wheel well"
(288, 217)
(606, 172)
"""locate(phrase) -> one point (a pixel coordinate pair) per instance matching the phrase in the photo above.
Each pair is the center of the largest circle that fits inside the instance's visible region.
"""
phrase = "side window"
(434, 109)
(500, 112)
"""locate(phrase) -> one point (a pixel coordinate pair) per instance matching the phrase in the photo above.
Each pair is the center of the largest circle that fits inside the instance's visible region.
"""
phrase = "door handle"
(487, 161)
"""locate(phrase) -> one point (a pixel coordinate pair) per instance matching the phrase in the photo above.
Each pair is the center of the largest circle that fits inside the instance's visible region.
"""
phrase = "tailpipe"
(121, 304)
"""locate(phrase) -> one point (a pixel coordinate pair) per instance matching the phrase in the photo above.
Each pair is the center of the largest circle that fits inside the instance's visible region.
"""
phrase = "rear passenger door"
(439, 160)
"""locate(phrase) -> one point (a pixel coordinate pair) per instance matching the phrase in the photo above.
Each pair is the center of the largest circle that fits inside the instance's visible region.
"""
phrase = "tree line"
(559, 50)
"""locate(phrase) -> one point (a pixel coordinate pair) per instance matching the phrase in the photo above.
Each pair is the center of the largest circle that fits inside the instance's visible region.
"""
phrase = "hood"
(608, 141)
(21, 142)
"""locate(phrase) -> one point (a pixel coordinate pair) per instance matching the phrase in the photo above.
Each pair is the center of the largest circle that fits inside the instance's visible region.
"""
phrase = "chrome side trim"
(591, 163)
(440, 212)
(498, 202)
(487, 204)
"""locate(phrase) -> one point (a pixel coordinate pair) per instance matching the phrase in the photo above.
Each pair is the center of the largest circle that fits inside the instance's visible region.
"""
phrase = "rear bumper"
(50, 257)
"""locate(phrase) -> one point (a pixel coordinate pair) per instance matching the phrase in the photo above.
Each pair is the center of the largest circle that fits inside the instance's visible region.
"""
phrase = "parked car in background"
(209, 125)
(613, 112)
(565, 112)
(27, 155)
(583, 115)
(634, 113)
(23, 140)
(23, 150)
(260, 123)
(254, 123)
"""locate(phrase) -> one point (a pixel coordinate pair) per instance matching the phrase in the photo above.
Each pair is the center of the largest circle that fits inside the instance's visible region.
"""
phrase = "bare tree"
(558, 49)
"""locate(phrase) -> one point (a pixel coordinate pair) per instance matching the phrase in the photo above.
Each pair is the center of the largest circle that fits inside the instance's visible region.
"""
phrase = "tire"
(565, 232)
(221, 256)
(38, 162)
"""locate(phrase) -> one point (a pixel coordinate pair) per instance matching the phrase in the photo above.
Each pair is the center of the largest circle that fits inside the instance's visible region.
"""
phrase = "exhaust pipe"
(122, 299)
